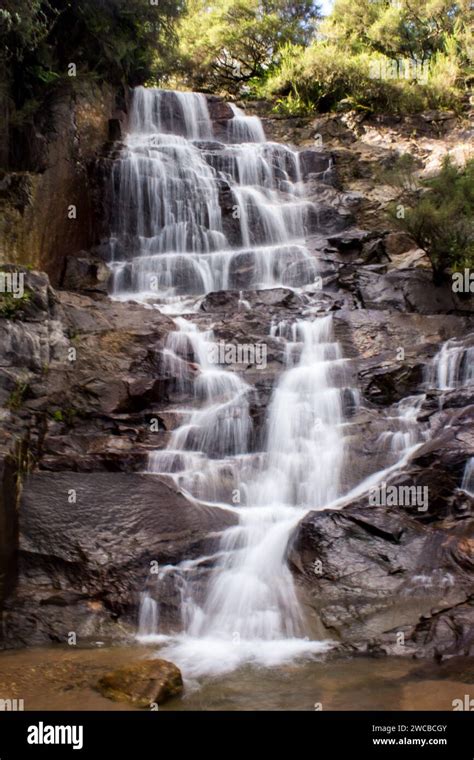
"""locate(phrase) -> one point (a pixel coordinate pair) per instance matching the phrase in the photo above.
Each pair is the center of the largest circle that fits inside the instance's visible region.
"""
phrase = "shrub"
(442, 220)
(319, 77)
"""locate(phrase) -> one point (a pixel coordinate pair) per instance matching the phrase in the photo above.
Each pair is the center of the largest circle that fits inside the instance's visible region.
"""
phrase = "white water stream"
(173, 243)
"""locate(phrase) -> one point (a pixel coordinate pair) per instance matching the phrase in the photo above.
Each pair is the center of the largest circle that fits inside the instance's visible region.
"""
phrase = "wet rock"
(218, 108)
(222, 299)
(116, 131)
(86, 543)
(315, 162)
(367, 573)
(350, 241)
(84, 272)
(8, 524)
(407, 290)
(390, 382)
(445, 633)
(373, 251)
(142, 684)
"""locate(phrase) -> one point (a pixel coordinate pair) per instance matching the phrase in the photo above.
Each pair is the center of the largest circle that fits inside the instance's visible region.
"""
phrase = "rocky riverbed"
(66, 679)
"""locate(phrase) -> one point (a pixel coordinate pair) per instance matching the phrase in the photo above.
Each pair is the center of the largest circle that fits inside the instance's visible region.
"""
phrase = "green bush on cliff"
(324, 77)
(368, 54)
(380, 56)
(11, 305)
(442, 220)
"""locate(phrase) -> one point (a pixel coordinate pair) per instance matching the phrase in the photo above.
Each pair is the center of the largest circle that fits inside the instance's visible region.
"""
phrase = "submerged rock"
(142, 684)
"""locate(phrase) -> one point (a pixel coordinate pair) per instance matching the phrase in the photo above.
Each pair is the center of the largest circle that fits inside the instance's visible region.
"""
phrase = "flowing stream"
(193, 214)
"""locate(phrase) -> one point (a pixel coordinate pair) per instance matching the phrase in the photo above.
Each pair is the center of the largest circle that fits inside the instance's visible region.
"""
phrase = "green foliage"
(442, 220)
(406, 28)
(371, 55)
(66, 416)
(324, 74)
(11, 305)
(293, 105)
(110, 40)
(400, 174)
(16, 398)
(23, 26)
(320, 75)
(226, 44)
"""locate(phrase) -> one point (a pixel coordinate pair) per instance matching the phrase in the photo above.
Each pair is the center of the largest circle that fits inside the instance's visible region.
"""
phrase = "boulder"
(143, 684)
(447, 633)
(366, 572)
(218, 108)
(84, 272)
(86, 544)
(8, 524)
(408, 290)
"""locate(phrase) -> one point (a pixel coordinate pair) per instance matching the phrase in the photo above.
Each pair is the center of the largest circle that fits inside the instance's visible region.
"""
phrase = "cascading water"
(172, 243)
(169, 237)
(251, 611)
(468, 477)
(194, 214)
(452, 367)
(304, 444)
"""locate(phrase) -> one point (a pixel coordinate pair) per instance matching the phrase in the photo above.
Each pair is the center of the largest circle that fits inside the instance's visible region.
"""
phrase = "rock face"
(369, 574)
(50, 177)
(86, 396)
(8, 526)
(87, 542)
(142, 684)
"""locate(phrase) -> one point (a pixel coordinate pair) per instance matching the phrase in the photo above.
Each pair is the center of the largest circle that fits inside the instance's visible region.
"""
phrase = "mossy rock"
(143, 683)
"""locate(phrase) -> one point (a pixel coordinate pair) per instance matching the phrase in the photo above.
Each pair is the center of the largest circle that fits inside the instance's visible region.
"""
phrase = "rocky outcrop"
(86, 397)
(8, 525)
(87, 543)
(48, 204)
(143, 684)
(376, 577)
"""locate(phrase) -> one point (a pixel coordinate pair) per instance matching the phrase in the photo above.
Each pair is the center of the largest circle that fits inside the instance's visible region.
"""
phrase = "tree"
(113, 40)
(442, 221)
(227, 43)
(406, 28)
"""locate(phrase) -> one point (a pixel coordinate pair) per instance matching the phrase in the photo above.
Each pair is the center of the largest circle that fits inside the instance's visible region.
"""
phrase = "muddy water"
(63, 679)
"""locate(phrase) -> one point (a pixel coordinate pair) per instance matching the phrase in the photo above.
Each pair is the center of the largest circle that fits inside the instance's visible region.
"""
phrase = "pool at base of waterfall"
(63, 678)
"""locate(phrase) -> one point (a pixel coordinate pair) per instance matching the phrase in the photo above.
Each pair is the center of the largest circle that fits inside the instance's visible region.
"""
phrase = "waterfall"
(251, 611)
(452, 367)
(305, 444)
(468, 477)
(169, 236)
(244, 128)
(192, 214)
